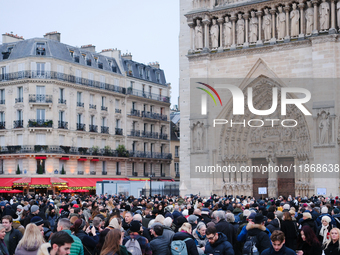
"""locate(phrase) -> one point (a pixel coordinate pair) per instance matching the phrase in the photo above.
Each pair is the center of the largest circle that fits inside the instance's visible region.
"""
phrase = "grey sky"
(148, 29)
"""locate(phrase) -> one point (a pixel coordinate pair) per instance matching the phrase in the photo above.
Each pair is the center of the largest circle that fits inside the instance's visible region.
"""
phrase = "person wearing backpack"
(257, 234)
(184, 241)
(278, 245)
(217, 243)
(134, 243)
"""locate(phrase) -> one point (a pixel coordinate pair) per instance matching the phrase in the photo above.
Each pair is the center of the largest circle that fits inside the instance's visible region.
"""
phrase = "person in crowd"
(324, 212)
(308, 243)
(60, 244)
(308, 221)
(113, 244)
(278, 246)
(290, 230)
(217, 243)
(3, 247)
(127, 220)
(13, 236)
(184, 234)
(39, 222)
(192, 219)
(332, 246)
(146, 232)
(77, 247)
(135, 229)
(30, 242)
(224, 227)
(199, 234)
(160, 244)
(323, 231)
(89, 242)
(272, 222)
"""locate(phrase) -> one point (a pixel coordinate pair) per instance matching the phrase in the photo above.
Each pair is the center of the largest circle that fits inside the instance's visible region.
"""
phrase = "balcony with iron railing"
(19, 100)
(146, 154)
(149, 134)
(61, 101)
(18, 124)
(92, 106)
(2, 101)
(40, 98)
(135, 133)
(155, 116)
(118, 110)
(163, 136)
(118, 131)
(80, 104)
(135, 113)
(93, 128)
(63, 124)
(104, 130)
(177, 175)
(40, 123)
(140, 93)
(104, 108)
(2, 124)
(81, 127)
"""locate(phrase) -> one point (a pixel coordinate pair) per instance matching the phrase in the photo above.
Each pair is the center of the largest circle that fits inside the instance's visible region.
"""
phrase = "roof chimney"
(89, 47)
(10, 37)
(127, 56)
(53, 36)
(154, 65)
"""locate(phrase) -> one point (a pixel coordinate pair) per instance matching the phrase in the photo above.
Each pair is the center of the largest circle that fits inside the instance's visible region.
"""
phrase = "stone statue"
(227, 32)
(309, 18)
(214, 31)
(198, 35)
(267, 25)
(338, 13)
(324, 126)
(324, 15)
(281, 23)
(240, 29)
(253, 23)
(294, 21)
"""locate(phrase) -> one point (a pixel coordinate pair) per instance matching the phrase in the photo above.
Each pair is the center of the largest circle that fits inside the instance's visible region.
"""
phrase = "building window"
(134, 173)
(131, 84)
(61, 96)
(104, 167)
(80, 167)
(144, 170)
(161, 170)
(88, 62)
(2, 96)
(78, 76)
(40, 69)
(79, 100)
(158, 77)
(118, 169)
(145, 147)
(2, 118)
(71, 53)
(40, 115)
(2, 141)
(61, 116)
(176, 151)
(134, 106)
(141, 72)
(61, 139)
(177, 168)
(40, 166)
(40, 139)
(151, 169)
(40, 49)
(19, 115)
(102, 81)
(103, 101)
(134, 146)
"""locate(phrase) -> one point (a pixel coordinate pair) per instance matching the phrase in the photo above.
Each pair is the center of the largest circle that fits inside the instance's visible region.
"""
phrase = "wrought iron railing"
(63, 124)
(19, 100)
(81, 127)
(146, 154)
(40, 98)
(93, 128)
(119, 131)
(61, 101)
(135, 133)
(104, 130)
(18, 124)
(92, 106)
(40, 123)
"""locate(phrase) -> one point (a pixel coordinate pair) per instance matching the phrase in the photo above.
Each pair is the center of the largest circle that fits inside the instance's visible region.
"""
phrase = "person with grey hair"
(77, 248)
(200, 236)
(224, 227)
(146, 233)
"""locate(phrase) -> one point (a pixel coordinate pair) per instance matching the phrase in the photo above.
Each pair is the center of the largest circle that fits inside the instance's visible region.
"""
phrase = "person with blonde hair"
(323, 231)
(3, 247)
(31, 241)
(184, 234)
(332, 246)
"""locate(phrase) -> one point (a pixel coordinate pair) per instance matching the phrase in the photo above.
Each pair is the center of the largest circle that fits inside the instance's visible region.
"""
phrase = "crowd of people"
(169, 225)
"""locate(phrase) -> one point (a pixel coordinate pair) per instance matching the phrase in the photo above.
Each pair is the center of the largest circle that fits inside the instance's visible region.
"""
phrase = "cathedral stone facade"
(264, 45)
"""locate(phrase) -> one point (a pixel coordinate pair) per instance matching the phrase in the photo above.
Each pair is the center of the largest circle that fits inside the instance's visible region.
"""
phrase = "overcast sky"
(148, 29)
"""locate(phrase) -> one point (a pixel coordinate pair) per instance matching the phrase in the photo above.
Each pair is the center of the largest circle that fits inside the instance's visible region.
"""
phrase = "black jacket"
(263, 240)
(332, 249)
(191, 245)
(14, 238)
(273, 225)
(221, 246)
(227, 229)
(160, 245)
(290, 231)
(283, 251)
(309, 222)
(310, 250)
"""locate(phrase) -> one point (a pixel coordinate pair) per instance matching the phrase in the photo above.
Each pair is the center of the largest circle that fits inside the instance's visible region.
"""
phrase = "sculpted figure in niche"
(281, 23)
(294, 21)
(214, 31)
(253, 28)
(198, 35)
(324, 126)
(240, 29)
(324, 15)
(227, 32)
(267, 25)
(310, 18)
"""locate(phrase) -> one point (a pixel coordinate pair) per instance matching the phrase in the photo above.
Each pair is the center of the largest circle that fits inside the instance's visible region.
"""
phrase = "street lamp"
(151, 175)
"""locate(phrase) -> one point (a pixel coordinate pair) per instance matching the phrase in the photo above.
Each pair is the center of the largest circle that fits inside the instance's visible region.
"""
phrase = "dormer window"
(76, 59)
(129, 69)
(84, 56)
(72, 53)
(100, 65)
(5, 54)
(40, 49)
(141, 72)
(96, 59)
(147, 74)
(88, 62)
(158, 76)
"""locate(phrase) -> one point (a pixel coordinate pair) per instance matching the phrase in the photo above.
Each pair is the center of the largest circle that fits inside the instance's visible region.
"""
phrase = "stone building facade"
(68, 108)
(265, 45)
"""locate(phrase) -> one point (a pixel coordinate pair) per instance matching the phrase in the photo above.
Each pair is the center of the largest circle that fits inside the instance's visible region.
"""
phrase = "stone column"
(246, 18)
(192, 32)
(259, 16)
(273, 12)
(287, 37)
(315, 25)
(332, 30)
(206, 23)
(233, 19)
(220, 22)
(272, 180)
(302, 20)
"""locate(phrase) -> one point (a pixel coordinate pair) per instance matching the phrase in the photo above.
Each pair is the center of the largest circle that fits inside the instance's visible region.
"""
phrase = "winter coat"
(283, 251)
(258, 230)
(221, 246)
(238, 211)
(273, 225)
(14, 238)
(309, 222)
(191, 246)
(332, 248)
(89, 242)
(289, 228)
(168, 233)
(227, 229)
(200, 241)
(3, 248)
(160, 245)
(320, 237)
(315, 249)
(318, 220)
(25, 251)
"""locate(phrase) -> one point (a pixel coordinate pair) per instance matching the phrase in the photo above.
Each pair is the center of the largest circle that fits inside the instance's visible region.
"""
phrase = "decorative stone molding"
(324, 123)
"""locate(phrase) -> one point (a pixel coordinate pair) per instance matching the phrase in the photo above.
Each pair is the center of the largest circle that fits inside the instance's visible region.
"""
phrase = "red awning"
(56, 180)
(86, 183)
(95, 159)
(166, 180)
(23, 182)
(40, 183)
(40, 157)
(82, 159)
(64, 158)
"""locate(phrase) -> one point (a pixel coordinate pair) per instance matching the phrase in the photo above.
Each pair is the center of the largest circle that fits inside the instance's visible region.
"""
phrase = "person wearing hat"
(192, 219)
(39, 222)
(34, 212)
(145, 232)
(272, 222)
(324, 212)
(336, 216)
(135, 228)
(259, 231)
(323, 231)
